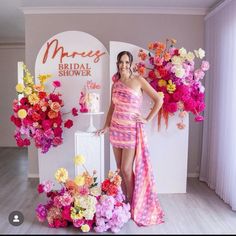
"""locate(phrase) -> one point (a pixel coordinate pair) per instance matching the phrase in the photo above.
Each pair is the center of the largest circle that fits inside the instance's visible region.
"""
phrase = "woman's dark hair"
(119, 57)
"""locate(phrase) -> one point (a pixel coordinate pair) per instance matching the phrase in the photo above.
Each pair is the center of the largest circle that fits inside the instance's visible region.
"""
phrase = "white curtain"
(218, 163)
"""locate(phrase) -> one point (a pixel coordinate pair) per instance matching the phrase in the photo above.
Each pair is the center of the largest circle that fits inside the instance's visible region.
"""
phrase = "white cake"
(93, 102)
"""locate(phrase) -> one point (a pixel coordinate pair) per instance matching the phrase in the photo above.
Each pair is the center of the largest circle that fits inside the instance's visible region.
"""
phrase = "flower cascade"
(171, 70)
(37, 114)
(83, 203)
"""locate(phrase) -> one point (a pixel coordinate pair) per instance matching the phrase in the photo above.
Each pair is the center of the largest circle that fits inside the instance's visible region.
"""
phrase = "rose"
(55, 106)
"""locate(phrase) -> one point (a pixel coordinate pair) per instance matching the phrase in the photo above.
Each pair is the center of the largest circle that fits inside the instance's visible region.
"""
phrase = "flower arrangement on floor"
(38, 114)
(83, 203)
(172, 71)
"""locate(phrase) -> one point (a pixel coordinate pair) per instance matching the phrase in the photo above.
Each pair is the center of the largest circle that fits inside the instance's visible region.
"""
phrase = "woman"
(125, 124)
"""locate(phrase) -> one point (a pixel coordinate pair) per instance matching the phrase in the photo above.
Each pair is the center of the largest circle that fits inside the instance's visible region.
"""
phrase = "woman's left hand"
(140, 119)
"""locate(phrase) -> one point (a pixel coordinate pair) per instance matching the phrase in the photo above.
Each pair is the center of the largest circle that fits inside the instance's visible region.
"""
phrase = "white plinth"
(91, 128)
(92, 148)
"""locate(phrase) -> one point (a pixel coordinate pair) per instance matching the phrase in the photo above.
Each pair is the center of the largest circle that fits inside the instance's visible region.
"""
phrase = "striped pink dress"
(125, 132)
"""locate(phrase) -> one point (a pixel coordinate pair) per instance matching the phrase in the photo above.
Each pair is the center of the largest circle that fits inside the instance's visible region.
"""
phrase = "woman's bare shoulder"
(139, 79)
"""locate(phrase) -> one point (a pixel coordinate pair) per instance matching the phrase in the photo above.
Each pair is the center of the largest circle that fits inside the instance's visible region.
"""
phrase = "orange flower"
(162, 83)
(38, 87)
(88, 180)
(161, 46)
(52, 114)
(150, 46)
(158, 52)
(141, 70)
(142, 55)
(117, 180)
(55, 106)
(72, 187)
(167, 56)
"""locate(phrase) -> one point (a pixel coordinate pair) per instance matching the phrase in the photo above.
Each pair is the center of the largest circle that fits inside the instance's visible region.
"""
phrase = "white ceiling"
(12, 17)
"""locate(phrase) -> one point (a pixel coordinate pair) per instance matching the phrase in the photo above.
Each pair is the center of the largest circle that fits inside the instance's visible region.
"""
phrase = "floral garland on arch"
(37, 114)
(83, 203)
(172, 71)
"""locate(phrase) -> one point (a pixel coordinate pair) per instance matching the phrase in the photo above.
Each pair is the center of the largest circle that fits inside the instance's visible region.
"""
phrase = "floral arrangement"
(83, 203)
(172, 71)
(111, 211)
(37, 114)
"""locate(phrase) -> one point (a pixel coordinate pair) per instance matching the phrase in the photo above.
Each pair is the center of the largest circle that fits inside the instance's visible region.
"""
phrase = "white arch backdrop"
(68, 57)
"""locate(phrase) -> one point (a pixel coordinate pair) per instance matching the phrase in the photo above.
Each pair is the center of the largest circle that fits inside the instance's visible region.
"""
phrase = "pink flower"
(199, 74)
(199, 118)
(78, 223)
(56, 84)
(115, 77)
(83, 190)
(66, 213)
(57, 141)
(47, 124)
(205, 65)
(47, 186)
(40, 188)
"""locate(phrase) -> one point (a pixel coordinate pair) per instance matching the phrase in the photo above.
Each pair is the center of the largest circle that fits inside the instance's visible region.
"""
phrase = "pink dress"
(125, 132)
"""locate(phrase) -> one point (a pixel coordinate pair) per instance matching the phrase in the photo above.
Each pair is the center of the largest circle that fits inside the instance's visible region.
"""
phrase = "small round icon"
(16, 218)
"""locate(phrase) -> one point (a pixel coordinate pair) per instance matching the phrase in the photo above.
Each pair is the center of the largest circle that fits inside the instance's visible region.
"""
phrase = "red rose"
(36, 116)
(68, 124)
(24, 101)
(105, 184)
(42, 95)
(75, 112)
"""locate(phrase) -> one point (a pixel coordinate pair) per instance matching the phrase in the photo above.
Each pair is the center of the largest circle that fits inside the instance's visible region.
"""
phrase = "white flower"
(179, 71)
(176, 60)
(182, 52)
(190, 56)
(200, 53)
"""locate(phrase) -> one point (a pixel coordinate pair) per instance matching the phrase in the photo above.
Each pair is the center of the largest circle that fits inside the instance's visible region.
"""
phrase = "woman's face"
(124, 65)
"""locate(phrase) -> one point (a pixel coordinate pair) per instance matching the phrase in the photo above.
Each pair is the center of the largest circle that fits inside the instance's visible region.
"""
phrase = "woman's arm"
(157, 98)
(108, 118)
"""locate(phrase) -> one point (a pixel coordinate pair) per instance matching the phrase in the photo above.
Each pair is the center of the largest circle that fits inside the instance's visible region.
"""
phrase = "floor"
(199, 211)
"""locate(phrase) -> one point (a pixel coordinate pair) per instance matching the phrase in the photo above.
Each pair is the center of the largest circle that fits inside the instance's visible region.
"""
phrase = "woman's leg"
(118, 157)
(127, 171)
